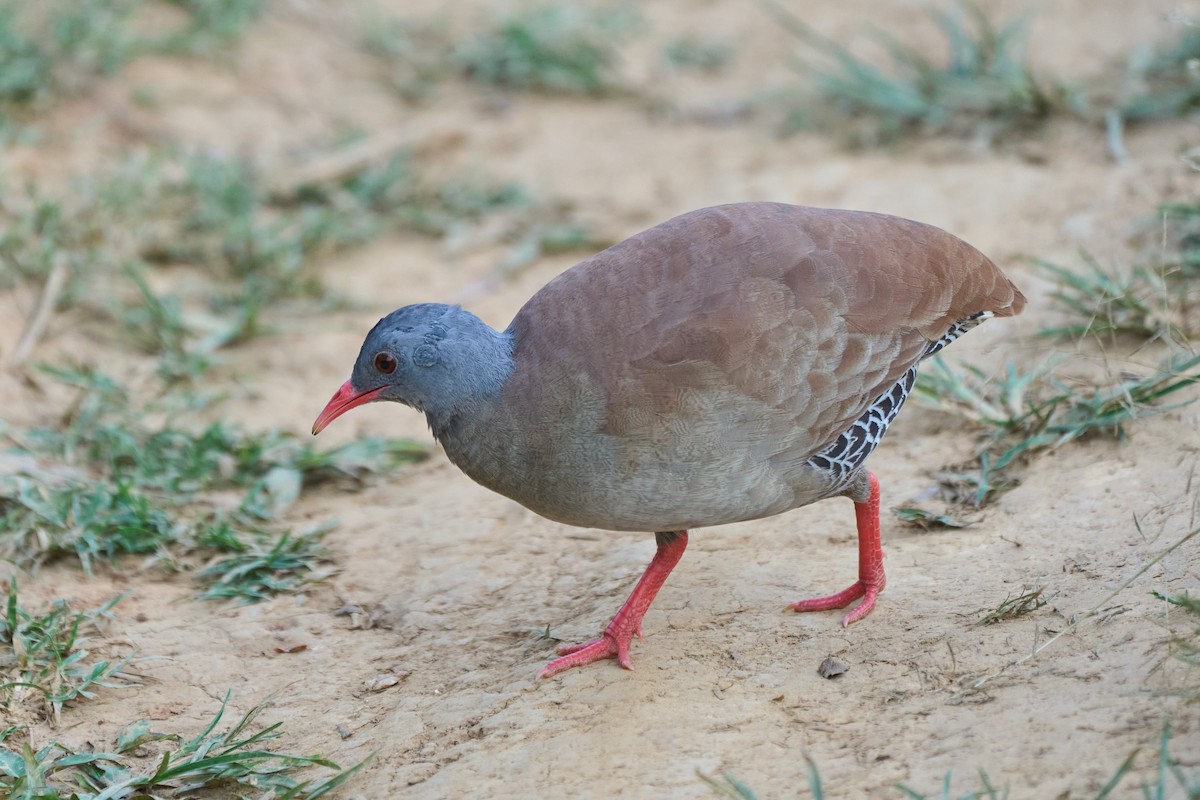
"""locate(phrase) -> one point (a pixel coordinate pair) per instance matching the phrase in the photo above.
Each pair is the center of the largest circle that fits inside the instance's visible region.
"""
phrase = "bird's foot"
(613, 644)
(628, 621)
(868, 591)
(871, 578)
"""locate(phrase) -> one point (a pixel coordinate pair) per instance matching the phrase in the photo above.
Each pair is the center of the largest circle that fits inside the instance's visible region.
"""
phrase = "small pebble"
(831, 668)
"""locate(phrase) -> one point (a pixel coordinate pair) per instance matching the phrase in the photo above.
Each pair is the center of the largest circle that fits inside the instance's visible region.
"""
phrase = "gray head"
(435, 358)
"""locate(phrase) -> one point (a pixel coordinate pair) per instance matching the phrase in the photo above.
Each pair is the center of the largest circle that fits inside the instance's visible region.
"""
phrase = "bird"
(729, 364)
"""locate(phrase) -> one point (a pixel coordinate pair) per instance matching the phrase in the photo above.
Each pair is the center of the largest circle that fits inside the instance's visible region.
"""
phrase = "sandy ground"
(463, 579)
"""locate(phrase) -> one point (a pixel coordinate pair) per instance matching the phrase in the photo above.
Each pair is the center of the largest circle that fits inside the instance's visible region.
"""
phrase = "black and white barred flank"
(848, 452)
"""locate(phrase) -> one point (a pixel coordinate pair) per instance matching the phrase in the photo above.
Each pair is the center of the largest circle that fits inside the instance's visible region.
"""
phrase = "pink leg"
(870, 566)
(628, 621)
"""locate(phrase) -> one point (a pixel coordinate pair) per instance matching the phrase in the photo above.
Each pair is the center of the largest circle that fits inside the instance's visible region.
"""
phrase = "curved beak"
(342, 401)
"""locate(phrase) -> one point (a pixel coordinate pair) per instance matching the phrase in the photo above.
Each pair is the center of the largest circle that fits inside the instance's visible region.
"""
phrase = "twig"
(36, 325)
(352, 160)
(1091, 612)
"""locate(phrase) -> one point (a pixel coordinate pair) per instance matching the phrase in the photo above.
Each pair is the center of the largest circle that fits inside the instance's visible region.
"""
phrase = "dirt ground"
(463, 579)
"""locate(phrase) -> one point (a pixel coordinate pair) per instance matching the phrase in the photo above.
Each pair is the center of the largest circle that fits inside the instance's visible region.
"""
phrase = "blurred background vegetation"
(175, 199)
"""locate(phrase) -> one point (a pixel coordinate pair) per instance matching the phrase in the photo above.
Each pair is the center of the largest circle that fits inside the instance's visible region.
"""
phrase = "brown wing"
(812, 312)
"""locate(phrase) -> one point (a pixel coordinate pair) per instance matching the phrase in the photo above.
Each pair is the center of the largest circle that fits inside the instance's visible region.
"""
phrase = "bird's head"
(431, 357)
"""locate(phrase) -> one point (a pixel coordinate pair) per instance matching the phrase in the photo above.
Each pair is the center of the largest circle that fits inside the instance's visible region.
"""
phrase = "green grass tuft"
(110, 482)
(43, 656)
(211, 26)
(265, 569)
(698, 54)
(416, 54)
(1146, 303)
(557, 48)
(1013, 607)
(1165, 82)
(1186, 646)
(983, 87)
(53, 49)
(987, 792)
(1169, 775)
(727, 786)
(1167, 771)
(1158, 298)
(158, 766)
(1023, 413)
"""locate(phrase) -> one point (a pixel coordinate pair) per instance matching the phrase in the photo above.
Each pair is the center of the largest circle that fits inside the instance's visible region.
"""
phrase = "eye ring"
(385, 363)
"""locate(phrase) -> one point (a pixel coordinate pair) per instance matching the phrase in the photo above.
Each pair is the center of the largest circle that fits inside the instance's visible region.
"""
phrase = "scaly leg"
(870, 565)
(628, 621)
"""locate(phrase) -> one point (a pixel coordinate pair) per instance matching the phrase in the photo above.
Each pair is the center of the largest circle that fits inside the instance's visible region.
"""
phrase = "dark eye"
(385, 363)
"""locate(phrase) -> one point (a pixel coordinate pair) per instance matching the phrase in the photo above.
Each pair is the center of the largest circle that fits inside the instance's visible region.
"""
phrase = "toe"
(576, 655)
